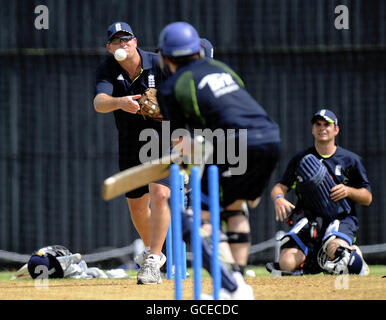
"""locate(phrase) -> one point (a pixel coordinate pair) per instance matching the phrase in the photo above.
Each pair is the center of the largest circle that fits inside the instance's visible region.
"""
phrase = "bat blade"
(138, 176)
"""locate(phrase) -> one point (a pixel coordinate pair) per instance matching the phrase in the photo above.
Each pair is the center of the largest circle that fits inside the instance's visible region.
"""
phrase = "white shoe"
(365, 271)
(243, 291)
(149, 273)
(140, 259)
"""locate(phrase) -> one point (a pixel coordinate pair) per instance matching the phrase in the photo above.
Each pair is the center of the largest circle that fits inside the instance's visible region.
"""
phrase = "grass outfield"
(260, 271)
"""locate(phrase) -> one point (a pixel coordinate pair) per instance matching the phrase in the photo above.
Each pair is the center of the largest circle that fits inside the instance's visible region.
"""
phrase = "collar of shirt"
(146, 59)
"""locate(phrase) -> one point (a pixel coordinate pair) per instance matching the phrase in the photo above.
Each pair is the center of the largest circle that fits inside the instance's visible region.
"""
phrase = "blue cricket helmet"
(179, 39)
(46, 266)
(208, 48)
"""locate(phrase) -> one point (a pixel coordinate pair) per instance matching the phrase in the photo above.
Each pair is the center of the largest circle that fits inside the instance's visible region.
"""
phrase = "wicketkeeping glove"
(149, 105)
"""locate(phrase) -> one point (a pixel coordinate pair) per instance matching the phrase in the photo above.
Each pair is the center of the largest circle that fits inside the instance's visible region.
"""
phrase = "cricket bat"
(138, 176)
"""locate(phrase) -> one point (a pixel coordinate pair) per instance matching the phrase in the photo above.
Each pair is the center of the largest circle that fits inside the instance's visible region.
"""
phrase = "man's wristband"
(278, 196)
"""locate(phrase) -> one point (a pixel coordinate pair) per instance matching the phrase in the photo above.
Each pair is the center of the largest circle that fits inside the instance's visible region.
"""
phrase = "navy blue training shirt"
(345, 167)
(113, 80)
(206, 93)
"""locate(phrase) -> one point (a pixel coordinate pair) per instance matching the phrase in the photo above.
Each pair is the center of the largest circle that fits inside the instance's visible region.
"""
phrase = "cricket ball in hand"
(120, 54)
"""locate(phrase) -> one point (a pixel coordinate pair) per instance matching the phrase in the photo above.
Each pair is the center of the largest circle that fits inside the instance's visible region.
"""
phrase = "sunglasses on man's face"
(118, 40)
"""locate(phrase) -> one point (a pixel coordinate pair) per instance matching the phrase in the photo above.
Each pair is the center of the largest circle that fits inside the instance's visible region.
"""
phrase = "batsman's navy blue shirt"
(345, 167)
(207, 94)
(113, 80)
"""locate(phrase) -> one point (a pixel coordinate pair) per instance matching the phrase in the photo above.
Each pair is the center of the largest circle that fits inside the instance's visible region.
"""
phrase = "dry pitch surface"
(372, 287)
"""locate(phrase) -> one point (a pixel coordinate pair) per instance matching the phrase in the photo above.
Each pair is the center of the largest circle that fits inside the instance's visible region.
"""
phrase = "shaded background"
(55, 150)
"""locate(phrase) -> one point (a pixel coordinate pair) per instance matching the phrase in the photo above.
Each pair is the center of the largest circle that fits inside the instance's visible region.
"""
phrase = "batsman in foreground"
(328, 181)
(122, 80)
(207, 94)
